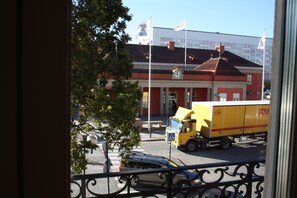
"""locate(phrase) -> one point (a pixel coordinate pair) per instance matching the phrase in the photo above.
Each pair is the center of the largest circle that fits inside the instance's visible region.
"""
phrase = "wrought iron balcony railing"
(244, 179)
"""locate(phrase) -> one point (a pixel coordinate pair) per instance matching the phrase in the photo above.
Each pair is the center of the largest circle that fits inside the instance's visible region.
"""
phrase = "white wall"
(241, 45)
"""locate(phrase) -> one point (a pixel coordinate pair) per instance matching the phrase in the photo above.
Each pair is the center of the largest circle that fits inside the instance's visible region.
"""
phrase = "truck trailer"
(217, 123)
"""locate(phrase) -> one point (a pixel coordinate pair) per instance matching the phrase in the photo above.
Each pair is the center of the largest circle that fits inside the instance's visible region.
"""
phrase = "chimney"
(170, 45)
(220, 48)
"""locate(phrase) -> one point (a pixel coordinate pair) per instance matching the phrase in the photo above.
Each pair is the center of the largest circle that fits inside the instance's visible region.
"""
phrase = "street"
(239, 152)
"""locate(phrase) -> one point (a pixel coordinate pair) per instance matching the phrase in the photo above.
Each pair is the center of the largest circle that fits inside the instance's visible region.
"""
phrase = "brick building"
(206, 75)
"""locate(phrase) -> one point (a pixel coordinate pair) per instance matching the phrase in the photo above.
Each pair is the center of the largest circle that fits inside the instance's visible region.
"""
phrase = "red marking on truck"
(236, 128)
(217, 112)
(263, 111)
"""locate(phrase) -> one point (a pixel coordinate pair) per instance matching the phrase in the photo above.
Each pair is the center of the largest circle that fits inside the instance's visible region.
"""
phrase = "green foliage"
(78, 156)
(267, 85)
(100, 70)
(118, 107)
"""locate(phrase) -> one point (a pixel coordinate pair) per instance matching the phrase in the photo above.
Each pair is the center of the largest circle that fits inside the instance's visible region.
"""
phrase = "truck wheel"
(225, 143)
(203, 144)
(191, 146)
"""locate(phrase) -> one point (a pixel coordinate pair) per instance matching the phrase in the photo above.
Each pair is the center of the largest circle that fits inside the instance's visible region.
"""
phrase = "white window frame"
(145, 99)
(249, 79)
(223, 96)
(236, 96)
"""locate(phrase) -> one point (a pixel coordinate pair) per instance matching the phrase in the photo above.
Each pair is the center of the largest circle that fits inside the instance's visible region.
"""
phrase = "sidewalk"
(153, 118)
(156, 134)
(97, 157)
(153, 135)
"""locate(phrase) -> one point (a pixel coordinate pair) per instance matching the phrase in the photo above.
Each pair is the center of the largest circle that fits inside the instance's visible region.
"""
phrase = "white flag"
(261, 44)
(144, 31)
(181, 26)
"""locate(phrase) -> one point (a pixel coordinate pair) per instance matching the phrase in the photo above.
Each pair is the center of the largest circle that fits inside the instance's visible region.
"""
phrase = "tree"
(100, 70)
(267, 85)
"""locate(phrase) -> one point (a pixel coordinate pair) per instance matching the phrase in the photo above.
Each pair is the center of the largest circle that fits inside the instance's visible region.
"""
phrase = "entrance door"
(172, 102)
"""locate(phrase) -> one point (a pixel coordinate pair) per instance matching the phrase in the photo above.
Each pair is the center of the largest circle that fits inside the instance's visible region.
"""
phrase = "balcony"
(244, 179)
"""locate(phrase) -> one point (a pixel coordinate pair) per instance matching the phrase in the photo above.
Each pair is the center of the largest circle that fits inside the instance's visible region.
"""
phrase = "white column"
(161, 102)
(191, 98)
(166, 101)
(214, 91)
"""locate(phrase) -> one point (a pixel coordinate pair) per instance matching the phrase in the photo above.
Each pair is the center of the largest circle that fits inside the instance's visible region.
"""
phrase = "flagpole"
(263, 73)
(149, 81)
(183, 26)
(263, 63)
(186, 48)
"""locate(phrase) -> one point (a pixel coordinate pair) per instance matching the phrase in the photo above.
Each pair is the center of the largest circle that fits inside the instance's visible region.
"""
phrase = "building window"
(223, 96)
(236, 96)
(249, 79)
(145, 100)
(194, 95)
(249, 92)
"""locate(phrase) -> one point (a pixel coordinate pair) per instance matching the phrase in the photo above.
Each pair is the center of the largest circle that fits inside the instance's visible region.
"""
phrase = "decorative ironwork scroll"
(211, 180)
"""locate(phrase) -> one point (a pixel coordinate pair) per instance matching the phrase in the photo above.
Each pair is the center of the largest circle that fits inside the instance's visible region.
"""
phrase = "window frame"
(145, 99)
(249, 79)
(31, 45)
(281, 152)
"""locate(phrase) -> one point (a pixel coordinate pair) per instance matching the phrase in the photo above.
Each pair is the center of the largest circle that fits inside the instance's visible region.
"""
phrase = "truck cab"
(182, 128)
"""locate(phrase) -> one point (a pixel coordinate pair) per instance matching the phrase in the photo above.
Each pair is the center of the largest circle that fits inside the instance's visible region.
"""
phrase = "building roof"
(162, 54)
(162, 71)
(219, 67)
(215, 33)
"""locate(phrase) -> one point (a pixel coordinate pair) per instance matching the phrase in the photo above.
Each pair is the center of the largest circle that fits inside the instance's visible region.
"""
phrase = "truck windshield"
(174, 124)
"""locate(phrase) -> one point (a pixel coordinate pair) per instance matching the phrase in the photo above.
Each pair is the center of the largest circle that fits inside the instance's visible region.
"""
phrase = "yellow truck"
(217, 123)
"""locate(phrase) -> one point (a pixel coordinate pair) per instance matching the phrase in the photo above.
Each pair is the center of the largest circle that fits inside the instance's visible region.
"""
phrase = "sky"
(240, 17)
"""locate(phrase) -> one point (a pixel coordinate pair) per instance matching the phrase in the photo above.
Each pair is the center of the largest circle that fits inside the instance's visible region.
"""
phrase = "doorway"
(172, 102)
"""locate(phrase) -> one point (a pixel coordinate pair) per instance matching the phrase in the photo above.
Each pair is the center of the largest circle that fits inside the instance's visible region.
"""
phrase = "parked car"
(139, 161)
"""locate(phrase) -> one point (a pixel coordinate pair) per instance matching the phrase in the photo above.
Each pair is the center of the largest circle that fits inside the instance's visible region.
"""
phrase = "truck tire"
(191, 146)
(203, 143)
(225, 143)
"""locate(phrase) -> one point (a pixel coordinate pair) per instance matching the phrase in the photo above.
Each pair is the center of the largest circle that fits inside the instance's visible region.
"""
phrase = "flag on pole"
(261, 44)
(144, 31)
(181, 26)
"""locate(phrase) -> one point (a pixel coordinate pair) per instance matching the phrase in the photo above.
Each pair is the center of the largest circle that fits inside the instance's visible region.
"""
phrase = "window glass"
(249, 79)
(154, 166)
(143, 165)
(171, 164)
(175, 125)
(145, 100)
(236, 96)
(223, 96)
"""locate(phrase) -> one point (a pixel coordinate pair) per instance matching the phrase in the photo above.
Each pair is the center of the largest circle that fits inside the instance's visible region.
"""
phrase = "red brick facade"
(254, 89)
(227, 77)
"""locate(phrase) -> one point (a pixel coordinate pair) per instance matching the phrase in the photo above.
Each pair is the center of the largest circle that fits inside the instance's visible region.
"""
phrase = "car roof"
(141, 157)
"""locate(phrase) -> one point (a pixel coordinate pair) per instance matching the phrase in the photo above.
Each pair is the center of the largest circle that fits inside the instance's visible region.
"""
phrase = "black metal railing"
(244, 179)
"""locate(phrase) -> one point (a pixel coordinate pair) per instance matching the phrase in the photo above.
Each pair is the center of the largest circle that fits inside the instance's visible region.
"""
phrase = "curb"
(152, 139)
(95, 163)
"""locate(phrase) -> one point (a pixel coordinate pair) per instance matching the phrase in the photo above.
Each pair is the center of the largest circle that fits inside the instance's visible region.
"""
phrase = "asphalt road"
(239, 152)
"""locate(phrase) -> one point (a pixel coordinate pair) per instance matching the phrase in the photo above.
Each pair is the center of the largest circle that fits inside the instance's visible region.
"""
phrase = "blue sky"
(242, 17)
